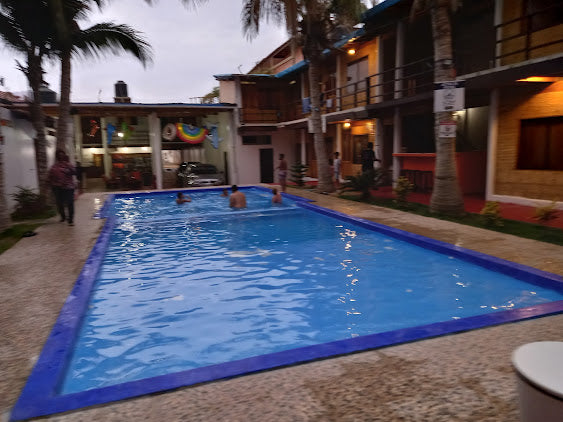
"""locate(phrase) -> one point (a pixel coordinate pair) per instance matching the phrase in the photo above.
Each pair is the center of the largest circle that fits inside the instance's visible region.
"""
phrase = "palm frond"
(254, 11)
(112, 38)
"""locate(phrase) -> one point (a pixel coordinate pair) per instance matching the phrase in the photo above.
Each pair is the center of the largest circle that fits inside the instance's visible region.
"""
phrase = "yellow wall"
(527, 101)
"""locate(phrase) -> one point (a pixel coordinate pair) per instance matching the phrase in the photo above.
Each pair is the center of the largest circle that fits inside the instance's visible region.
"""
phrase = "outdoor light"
(120, 134)
(540, 79)
(351, 51)
(347, 125)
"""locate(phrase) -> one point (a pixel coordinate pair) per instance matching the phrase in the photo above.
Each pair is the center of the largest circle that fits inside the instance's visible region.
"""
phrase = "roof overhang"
(134, 109)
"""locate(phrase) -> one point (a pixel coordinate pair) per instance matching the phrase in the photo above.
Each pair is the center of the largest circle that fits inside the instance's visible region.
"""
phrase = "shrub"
(298, 172)
(365, 182)
(546, 213)
(29, 204)
(403, 187)
(491, 213)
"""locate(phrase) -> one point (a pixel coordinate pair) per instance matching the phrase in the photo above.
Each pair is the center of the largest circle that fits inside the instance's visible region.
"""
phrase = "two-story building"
(378, 86)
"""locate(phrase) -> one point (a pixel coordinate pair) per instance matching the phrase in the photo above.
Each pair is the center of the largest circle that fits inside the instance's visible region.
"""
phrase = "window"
(541, 144)
(543, 13)
(257, 140)
(357, 72)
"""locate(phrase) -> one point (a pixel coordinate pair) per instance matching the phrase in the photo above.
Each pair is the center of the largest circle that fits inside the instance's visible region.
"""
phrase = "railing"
(408, 80)
(529, 36)
(534, 35)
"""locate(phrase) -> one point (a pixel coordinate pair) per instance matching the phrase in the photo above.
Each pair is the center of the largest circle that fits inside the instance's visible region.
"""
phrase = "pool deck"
(461, 377)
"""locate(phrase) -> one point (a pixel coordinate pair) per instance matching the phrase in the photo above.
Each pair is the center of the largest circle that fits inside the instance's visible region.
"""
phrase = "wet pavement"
(460, 377)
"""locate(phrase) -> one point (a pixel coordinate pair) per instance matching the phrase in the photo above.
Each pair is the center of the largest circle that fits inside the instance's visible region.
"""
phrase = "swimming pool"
(347, 265)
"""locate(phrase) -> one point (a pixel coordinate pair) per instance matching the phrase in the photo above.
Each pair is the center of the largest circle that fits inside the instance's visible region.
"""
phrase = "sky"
(189, 46)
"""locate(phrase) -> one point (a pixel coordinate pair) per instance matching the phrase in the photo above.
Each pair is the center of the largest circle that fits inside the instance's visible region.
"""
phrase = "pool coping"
(39, 397)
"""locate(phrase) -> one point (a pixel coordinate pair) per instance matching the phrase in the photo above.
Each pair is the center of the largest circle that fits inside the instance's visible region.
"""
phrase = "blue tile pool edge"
(39, 396)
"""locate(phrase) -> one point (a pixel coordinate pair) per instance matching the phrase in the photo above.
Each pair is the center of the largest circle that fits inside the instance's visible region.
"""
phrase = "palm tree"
(446, 195)
(24, 29)
(310, 23)
(91, 42)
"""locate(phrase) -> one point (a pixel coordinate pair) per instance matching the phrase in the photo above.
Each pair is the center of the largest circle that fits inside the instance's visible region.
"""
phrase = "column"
(78, 137)
(397, 141)
(492, 145)
(399, 59)
(107, 155)
(156, 147)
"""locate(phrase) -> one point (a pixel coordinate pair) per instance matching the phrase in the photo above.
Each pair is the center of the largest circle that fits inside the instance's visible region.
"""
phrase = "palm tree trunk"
(446, 195)
(325, 183)
(5, 220)
(35, 76)
(63, 132)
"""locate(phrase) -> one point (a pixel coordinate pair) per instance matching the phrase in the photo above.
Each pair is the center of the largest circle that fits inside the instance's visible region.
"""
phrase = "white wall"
(227, 92)
(19, 155)
(248, 156)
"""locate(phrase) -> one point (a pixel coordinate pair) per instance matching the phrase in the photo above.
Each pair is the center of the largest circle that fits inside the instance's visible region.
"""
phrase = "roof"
(371, 13)
(135, 109)
(9, 97)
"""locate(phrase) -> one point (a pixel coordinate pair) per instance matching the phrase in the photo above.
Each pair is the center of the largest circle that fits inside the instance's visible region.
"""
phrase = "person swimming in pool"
(276, 198)
(237, 198)
(225, 192)
(180, 198)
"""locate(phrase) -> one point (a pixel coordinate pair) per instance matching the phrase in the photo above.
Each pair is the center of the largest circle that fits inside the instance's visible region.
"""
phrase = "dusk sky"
(189, 47)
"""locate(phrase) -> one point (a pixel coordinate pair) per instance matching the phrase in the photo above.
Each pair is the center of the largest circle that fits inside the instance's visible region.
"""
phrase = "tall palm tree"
(24, 29)
(90, 42)
(446, 195)
(310, 23)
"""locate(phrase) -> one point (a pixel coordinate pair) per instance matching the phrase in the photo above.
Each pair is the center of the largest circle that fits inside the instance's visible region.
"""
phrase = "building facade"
(378, 87)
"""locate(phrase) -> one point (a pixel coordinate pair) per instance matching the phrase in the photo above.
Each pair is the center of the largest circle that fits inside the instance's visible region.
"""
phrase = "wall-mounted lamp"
(120, 134)
(540, 79)
(351, 51)
(292, 82)
(347, 125)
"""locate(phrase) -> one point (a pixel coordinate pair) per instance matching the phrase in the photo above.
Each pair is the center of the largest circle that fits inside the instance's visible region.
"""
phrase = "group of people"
(368, 159)
(237, 199)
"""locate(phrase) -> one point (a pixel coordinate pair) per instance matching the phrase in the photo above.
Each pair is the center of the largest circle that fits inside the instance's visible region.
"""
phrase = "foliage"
(491, 213)
(29, 204)
(298, 171)
(365, 182)
(538, 232)
(10, 237)
(546, 213)
(211, 97)
(403, 187)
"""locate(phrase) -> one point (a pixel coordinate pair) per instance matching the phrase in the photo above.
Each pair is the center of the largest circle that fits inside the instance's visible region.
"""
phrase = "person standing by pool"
(237, 198)
(368, 158)
(337, 163)
(181, 199)
(282, 172)
(62, 183)
(277, 198)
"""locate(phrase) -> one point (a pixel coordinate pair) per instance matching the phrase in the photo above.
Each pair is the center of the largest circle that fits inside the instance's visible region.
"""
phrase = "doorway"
(267, 165)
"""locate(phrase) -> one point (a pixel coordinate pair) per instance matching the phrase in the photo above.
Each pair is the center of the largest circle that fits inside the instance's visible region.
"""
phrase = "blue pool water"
(176, 295)
(184, 287)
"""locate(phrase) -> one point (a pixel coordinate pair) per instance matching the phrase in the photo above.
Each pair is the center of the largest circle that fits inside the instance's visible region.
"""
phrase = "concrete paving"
(461, 377)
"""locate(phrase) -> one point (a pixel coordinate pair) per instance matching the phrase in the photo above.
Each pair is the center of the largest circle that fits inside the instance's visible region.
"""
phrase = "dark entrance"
(267, 165)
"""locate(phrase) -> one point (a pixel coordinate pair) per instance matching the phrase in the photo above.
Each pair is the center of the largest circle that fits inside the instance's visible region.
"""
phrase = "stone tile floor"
(461, 377)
